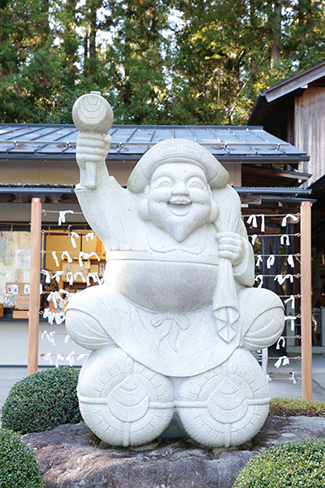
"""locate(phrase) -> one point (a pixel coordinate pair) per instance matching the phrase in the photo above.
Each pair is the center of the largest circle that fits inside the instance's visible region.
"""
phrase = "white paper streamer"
(47, 275)
(58, 275)
(252, 220)
(85, 255)
(55, 297)
(50, 338)
(261, 278)
(283, 360)
(289, 216)
(48, 358)
(291, 261)
(67, 293)
(291, 319)
(55, 259)
(291, 299)
(81, 275)
(286, 238)
(270, 261)
(66, 339)
(259, 260)
(74, 236)
(62, 215)
(67, 255)
(82, 356)
(81, 255)
(59, 357)
(292, 377)
(70, 358)
(268, 377)
(281, 339)
(69, 277)
(90, 236)
(263, 222)
(253, 237)
(281, 279)
(59, 317)
(94, 276)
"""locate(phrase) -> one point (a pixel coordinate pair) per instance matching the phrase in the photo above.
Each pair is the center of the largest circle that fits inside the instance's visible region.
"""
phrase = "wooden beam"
(306, 295)
(34, 297)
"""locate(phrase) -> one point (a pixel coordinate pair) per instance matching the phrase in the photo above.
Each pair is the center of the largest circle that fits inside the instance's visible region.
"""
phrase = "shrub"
(18, 466)
(287, 407)
(42, 401)
(295, 464)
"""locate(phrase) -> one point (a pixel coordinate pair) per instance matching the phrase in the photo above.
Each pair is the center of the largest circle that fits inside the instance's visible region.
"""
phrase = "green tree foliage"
(138, 61)
(158, 61)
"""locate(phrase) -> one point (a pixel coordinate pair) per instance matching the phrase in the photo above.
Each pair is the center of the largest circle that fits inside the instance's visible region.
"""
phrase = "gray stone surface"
(70, 456)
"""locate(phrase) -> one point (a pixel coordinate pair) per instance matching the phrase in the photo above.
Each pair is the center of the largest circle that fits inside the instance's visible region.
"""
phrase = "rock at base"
(70, 456)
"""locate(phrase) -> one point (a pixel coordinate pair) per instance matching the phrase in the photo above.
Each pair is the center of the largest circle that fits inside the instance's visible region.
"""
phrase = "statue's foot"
(226, 406)
(123, 402)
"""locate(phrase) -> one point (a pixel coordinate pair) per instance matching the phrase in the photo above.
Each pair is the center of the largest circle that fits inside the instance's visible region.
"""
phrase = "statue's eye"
(164, 184)
(196, 184)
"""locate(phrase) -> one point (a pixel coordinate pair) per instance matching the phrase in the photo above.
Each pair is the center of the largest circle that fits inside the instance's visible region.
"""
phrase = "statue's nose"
(180, 188)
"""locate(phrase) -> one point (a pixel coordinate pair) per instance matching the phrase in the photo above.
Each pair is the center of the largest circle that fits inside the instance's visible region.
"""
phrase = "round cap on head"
(177, 151)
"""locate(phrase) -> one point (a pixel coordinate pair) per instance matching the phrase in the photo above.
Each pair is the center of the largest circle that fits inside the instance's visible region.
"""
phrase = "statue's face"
(179, 199)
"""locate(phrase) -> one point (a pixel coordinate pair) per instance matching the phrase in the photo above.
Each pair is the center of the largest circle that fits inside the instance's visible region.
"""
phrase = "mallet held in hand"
(92, 113)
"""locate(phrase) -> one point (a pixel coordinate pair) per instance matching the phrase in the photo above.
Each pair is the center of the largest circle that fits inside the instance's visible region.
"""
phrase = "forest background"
(200, 62)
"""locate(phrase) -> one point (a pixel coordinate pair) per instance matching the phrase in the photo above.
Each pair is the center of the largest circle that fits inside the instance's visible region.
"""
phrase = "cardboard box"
(22, 302)
(20, 314)
(17, 289)
(75, 268)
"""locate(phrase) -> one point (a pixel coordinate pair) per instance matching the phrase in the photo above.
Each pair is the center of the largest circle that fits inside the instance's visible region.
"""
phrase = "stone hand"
(92, 147)
(231, 246)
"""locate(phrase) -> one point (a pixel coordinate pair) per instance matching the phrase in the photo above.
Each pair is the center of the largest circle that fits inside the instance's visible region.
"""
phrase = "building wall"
(310, 130)
(14, 344)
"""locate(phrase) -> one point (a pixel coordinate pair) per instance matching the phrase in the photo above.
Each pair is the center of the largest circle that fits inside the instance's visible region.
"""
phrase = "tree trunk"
(276, 41)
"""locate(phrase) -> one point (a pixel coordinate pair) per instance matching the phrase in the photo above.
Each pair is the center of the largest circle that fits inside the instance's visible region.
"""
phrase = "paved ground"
(278, 388)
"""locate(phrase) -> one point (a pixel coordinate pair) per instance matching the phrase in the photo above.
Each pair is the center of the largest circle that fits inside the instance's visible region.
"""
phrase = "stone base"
(71, 456)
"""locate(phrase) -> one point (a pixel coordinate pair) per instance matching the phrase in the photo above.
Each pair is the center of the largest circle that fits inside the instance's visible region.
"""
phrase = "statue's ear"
(214, 212)
(143, 207)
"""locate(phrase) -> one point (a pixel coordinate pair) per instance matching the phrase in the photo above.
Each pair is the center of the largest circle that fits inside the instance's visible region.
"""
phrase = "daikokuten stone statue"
(172, 327)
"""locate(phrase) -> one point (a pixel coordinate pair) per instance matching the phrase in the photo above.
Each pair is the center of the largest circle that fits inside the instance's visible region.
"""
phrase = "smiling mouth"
(179, 206)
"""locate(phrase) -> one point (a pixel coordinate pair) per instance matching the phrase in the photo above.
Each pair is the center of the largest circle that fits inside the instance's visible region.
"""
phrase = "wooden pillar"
(34, 297)
(306, 292)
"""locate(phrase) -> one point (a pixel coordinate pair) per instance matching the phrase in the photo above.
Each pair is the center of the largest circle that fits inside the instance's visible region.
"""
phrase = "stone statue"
(171, 328)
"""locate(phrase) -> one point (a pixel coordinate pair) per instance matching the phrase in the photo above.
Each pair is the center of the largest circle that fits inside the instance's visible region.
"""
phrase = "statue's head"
(176, 177)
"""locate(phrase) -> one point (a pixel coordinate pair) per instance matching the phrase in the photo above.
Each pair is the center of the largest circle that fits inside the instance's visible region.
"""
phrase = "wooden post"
(306, 291)
(34, 297)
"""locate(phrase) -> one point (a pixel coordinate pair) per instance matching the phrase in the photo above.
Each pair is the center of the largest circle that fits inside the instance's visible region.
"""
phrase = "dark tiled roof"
(226, 143)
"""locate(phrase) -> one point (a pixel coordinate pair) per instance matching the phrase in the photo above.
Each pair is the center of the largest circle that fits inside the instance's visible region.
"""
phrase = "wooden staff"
(34, 297)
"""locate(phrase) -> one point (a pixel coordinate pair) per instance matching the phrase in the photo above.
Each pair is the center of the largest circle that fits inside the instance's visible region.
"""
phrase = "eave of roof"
(24, 193)
(293, 86)
(296, 82)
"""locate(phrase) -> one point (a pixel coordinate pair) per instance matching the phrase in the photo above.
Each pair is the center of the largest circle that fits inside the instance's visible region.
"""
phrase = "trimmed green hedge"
(287, 407)
(295, 464)
(42, 401)
(18, 466)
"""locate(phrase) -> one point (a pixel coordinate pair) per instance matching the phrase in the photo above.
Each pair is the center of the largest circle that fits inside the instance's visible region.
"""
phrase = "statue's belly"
(163, 286)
